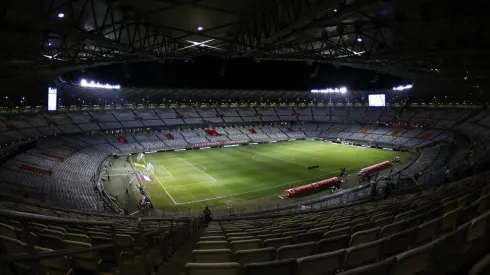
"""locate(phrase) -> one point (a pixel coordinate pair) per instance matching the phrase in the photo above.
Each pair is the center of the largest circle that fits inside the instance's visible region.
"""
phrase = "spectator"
(207, 215)
(388, 187)
(447, 174)
(373, 190)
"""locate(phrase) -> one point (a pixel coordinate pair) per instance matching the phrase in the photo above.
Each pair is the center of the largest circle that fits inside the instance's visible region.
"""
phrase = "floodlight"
(401, 88)
(200, 28)
(359, 39)
(335, 10)
(61, 15)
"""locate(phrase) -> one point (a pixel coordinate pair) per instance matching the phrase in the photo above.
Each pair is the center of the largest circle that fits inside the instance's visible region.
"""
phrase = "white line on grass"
(194, 183)
(165, 170)
(198, 169)
(176, 203)
(253, 191)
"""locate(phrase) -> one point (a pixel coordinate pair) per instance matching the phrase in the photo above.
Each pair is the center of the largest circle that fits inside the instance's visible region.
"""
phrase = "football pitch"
(241, 174)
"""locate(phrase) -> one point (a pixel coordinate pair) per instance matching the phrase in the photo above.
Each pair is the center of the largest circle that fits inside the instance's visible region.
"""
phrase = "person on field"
(207, 214)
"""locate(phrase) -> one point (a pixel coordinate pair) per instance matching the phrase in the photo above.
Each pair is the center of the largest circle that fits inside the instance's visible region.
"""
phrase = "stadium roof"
(421, 40)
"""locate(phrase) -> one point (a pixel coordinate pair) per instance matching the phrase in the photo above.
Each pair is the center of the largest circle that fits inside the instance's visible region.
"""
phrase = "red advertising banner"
(374, 168)
(312, 186)
(219, 143)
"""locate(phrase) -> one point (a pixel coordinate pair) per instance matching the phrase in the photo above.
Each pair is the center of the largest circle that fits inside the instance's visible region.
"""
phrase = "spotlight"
(335, 10)
(199, 28)
(61, 15)
(359, 39)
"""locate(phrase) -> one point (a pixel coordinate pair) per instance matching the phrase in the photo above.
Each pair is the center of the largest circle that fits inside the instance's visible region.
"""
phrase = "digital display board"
(377, 100)
(52, 99)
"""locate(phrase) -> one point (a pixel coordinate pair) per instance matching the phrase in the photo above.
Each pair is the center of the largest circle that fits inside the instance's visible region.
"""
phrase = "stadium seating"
(409, 240)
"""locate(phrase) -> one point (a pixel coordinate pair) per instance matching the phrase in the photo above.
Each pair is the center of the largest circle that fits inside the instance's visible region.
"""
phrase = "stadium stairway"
(176, 263)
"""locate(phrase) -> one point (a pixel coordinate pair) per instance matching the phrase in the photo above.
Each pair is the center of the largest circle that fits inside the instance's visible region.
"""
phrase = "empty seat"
(365, 236)
(321, 264)
(482, 267)
(398, 242)
(56, 266)
(476, 238)
(337, 232)
(213, 245)
(332, 244)
(213, 233)
(231, 239)
(54, 233)
(384, 221)
(125, 242)
(380, 268)
(296, 251)
(212, 256)
(278, 242)
(283, 267)
(427, 231)
(245, 244)
(449, 221)
(322, 229)
(340, 225)
(362, 227)
(391, 229)
(77, 238)
(403, 216)
(414, 221)
(237, 234)
(293, 233)
(413, 261)
(8, 231)
(308, 237)
(86, 261)
(269, 236)
(212, 268)
(51, 242)
(363, 254)
(447, 250)
(212, 238)
(449, 206)
(255, 255)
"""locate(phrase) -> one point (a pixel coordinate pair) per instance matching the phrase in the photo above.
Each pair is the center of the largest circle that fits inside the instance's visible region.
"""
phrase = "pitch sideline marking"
(198, 169)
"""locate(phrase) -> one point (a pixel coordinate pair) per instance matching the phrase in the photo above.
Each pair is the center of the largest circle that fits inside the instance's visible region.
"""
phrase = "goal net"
(149, 169)
(344, 142)
(140, 157)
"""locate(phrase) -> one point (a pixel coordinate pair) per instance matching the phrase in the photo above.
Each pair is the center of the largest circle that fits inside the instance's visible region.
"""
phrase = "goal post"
(140, 157)
(149, 169)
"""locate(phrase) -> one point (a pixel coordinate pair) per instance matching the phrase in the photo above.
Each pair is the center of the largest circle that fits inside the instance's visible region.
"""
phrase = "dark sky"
(206, 72)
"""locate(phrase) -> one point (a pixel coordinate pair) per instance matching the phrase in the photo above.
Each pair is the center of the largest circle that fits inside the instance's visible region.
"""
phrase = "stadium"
(209, 137)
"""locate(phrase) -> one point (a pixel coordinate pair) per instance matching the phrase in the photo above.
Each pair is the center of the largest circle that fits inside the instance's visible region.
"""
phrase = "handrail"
(52, 254)
(48, 219)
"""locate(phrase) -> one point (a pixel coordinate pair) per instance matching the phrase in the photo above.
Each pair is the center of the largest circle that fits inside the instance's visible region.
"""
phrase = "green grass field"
(235, 175)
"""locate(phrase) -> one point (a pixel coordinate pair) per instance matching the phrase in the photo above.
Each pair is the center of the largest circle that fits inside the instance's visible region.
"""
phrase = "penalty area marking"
(190, 164)
(165, 189)
(168, 172)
